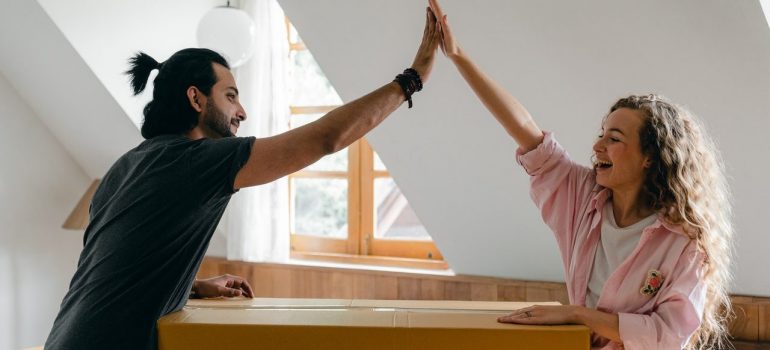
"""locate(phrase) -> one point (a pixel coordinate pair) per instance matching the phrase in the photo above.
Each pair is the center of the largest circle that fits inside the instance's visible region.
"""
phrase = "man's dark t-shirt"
(151, 221)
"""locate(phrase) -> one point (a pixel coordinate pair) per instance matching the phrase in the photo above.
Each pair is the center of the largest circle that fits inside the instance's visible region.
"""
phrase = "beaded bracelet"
(410, 83)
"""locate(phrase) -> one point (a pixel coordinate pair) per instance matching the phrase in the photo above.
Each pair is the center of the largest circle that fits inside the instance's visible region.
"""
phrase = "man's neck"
(202, 132)
(195, 134)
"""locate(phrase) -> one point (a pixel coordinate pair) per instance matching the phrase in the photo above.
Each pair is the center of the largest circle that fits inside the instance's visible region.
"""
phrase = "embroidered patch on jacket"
(652, 284)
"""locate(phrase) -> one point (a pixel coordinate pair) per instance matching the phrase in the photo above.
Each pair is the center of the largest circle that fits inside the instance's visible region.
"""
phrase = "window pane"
(333, 162)
(308, 85)
(320, 207)
(378, 164)
(394, 218)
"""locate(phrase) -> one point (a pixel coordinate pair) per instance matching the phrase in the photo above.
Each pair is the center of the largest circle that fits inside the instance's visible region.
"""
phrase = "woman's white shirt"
(615, 245)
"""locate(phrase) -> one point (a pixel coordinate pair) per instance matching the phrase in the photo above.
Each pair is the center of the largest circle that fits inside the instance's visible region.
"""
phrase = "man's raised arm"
(277, 156)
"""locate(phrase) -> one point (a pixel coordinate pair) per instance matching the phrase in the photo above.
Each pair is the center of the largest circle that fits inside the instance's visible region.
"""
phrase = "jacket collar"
(602, 195)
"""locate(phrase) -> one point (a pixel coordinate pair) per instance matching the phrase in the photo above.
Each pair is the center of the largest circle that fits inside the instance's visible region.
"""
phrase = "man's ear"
(196, 98)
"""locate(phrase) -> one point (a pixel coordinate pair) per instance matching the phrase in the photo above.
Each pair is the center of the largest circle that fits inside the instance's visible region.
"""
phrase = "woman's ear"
(196, 98)
(647, 162)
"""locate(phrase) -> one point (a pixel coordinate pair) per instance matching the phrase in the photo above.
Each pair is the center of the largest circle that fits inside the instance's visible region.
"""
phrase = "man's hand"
(423, 61)
(222, 286)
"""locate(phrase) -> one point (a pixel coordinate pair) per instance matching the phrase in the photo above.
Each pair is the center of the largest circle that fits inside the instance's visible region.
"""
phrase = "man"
(157, 207)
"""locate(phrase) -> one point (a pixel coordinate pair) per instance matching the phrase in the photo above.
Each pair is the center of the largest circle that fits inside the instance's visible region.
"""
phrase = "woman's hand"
(448, 43)
(602, 323)
(423, 61)
(222, 286)
(542, 314)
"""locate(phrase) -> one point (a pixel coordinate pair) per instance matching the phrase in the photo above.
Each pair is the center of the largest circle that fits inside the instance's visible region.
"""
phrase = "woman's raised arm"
(507, 110)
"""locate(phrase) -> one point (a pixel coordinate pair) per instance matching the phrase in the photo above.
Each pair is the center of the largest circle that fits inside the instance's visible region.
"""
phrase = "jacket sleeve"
(676, 315)
(560, 188)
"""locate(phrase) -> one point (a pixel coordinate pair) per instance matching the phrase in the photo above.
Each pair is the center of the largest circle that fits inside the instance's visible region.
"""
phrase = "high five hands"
(448, 43)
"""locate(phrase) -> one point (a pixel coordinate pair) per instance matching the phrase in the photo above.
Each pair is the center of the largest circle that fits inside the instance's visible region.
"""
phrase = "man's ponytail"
(140, 66)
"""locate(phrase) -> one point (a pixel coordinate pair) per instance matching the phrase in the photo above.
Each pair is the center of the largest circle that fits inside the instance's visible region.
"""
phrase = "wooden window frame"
(361, 245)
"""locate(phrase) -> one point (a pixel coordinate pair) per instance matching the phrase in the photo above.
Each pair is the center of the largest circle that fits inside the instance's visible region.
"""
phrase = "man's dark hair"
(170, 111)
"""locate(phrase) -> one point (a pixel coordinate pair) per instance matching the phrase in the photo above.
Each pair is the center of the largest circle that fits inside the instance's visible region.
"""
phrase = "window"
(346, 207)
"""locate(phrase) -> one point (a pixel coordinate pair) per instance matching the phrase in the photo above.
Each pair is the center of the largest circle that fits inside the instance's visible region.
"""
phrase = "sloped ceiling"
(107, 33)
(567, 61)
(67, 58)
(61, 88)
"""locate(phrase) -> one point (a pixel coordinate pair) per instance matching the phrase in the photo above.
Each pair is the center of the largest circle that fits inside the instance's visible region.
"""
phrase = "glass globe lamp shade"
(229, 31)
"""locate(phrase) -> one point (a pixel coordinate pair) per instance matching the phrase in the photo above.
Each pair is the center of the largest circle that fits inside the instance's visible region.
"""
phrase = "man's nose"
(241, 114)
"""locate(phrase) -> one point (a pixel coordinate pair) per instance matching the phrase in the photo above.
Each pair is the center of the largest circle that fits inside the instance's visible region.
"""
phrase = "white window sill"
(337, 265)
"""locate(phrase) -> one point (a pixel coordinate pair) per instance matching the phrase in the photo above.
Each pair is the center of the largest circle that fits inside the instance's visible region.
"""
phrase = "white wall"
(567, 61)
(40, 183)
(61, 89)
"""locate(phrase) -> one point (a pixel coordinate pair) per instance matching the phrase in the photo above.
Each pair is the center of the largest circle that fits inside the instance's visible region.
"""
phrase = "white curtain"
(256, 223)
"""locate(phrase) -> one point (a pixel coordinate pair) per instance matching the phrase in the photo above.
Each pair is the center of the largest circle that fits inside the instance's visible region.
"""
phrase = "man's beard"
(217, 121)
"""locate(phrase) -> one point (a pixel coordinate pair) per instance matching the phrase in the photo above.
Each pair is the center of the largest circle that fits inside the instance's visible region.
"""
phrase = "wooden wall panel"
(457, 291)
(745, 324)
(751, 321)
(763, 318)
(344, 284)
(386, 288)
(431, 289)
(543, 291)
(365, 287)
(483, 292)
(408, 288)
(512, 292)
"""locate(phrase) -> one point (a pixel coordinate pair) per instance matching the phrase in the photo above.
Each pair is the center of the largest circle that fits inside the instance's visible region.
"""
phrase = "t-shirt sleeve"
(214, 163)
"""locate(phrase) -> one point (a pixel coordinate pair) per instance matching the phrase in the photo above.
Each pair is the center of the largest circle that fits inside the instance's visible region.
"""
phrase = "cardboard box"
(342, 324)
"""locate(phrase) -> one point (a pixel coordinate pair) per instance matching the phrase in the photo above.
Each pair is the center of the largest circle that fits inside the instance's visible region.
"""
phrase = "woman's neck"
(628, 208)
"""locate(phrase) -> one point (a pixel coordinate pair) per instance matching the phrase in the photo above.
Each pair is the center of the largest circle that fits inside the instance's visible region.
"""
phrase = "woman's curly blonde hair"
(686, 183)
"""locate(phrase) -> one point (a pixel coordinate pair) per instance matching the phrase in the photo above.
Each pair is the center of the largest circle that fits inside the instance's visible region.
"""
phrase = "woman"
(644, 234)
